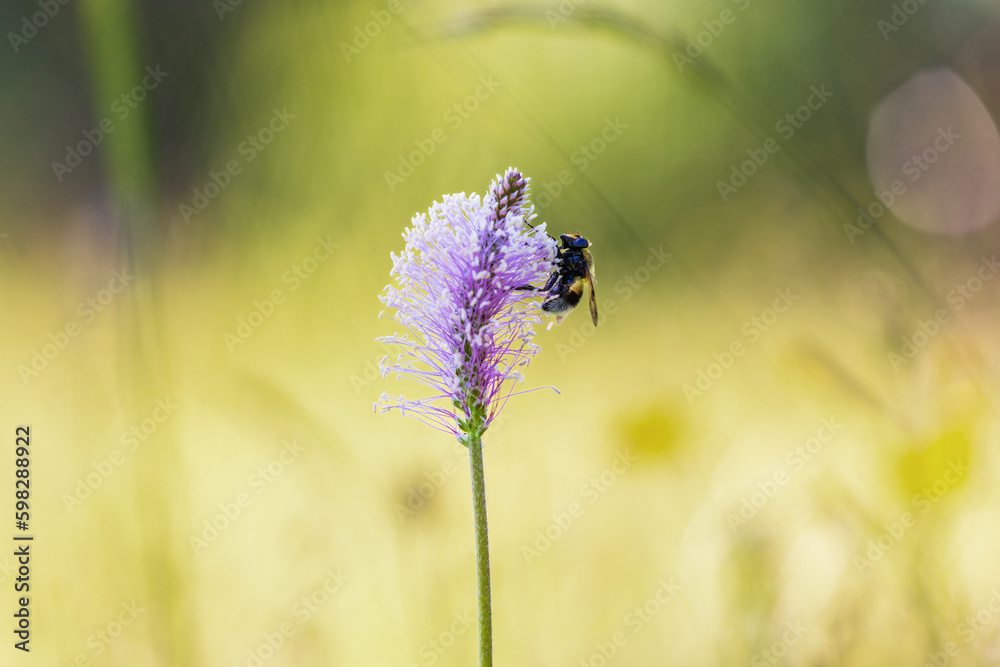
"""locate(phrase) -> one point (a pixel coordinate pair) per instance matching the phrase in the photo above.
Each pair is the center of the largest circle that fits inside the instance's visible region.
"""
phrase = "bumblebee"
(564, 288)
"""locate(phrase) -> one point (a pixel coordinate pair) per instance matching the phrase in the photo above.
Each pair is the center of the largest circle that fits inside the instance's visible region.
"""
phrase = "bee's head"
(574, 241)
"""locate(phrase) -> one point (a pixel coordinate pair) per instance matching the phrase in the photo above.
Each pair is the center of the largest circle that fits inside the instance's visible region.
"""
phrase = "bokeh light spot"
(934, 155)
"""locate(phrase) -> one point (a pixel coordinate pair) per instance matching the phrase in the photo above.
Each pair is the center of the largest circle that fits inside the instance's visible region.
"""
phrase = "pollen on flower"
(455, 292)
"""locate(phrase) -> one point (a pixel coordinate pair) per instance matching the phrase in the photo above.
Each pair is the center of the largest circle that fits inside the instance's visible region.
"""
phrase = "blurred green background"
(778, 447)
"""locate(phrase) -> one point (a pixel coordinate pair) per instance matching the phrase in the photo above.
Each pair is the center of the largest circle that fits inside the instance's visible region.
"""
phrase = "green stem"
(475, 440)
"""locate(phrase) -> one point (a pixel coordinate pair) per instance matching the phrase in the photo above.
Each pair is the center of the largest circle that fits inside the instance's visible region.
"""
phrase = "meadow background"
(778, 447)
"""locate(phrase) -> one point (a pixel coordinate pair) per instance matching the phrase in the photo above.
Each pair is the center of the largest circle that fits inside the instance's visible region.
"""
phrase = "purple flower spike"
(469, 331)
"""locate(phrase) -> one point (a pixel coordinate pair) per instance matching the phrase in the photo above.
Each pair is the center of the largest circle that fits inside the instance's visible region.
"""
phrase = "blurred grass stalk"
(109, 37)
(703, 73)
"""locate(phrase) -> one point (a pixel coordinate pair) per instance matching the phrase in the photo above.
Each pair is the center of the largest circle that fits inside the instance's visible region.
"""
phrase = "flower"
(455, 291)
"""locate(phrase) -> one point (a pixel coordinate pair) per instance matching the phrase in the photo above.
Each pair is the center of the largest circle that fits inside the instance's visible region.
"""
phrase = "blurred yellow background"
(778, 447)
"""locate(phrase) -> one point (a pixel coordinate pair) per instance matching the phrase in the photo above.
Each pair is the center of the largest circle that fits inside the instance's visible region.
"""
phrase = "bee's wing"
(593, 297)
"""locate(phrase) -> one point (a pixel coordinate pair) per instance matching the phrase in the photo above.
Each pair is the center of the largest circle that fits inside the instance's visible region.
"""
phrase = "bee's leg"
(547, 288)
